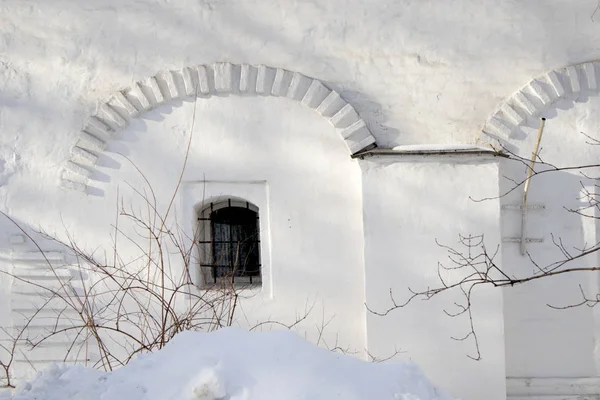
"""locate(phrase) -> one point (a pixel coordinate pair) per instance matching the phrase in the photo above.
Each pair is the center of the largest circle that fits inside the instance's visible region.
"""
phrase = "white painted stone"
(574, 79)
(556, 84)
(171, 86)
(357, 129)
(279, 83)
(152, 84)
(203, 81)
(345, 117)
(95, 126)
(316, 93)
(77, 169)
(497, 126)
(92, 142)
(331, 104)
(111, 118)
(71, 185)
(264, 79)
(83, 156)
(355, 147)
(539, 91)
(522, 100)
(223, 77)
(188, 82)
(245, 71)
(590, 75)
(120, 100)
(137, 92)
(298, 86)
(511, 114)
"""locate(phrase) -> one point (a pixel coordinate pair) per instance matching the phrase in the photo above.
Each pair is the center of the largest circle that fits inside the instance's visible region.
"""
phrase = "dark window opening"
(234, 243)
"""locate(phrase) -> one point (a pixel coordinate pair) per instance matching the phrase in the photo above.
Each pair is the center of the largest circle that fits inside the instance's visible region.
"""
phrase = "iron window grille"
(229, 243)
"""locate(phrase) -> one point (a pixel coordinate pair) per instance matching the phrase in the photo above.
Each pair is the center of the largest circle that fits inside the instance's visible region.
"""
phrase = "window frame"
(204, 235)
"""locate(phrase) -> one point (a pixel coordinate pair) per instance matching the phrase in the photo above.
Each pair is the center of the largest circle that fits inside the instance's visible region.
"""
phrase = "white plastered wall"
(408, 206)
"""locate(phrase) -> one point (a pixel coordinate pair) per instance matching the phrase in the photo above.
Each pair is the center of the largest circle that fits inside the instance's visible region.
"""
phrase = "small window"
(229, 243)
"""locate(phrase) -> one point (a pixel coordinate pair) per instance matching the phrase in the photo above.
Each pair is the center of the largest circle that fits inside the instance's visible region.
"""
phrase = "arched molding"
(537, 97)
(205, 81)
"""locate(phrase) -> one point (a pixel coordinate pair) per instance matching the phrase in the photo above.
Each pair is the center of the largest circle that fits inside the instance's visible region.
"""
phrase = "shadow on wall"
(532, 325)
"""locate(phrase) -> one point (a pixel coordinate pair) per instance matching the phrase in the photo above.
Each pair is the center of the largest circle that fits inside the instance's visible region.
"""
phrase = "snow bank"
(235, 365)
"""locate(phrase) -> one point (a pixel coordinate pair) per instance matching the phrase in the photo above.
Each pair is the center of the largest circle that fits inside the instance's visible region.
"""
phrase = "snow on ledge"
(440, 147)
(427, 150)
(235, 365)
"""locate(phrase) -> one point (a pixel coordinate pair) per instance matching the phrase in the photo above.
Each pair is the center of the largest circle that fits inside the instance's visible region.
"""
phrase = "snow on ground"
(231, 364)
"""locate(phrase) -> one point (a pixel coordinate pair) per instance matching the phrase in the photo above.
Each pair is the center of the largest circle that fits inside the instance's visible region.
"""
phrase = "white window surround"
(195, 195)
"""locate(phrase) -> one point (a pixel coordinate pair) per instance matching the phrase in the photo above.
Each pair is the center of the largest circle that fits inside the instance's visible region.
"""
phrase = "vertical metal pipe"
(526, 188)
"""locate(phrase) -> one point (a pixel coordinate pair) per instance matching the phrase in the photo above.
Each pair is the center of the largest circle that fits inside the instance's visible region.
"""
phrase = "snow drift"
(231, 364)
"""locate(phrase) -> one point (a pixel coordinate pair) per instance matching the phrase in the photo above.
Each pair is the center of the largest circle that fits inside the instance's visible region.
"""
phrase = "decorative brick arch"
(205, 81)
(539, 95)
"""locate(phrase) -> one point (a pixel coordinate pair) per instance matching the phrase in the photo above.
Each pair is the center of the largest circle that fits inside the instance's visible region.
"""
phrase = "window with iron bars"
(229, 243)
